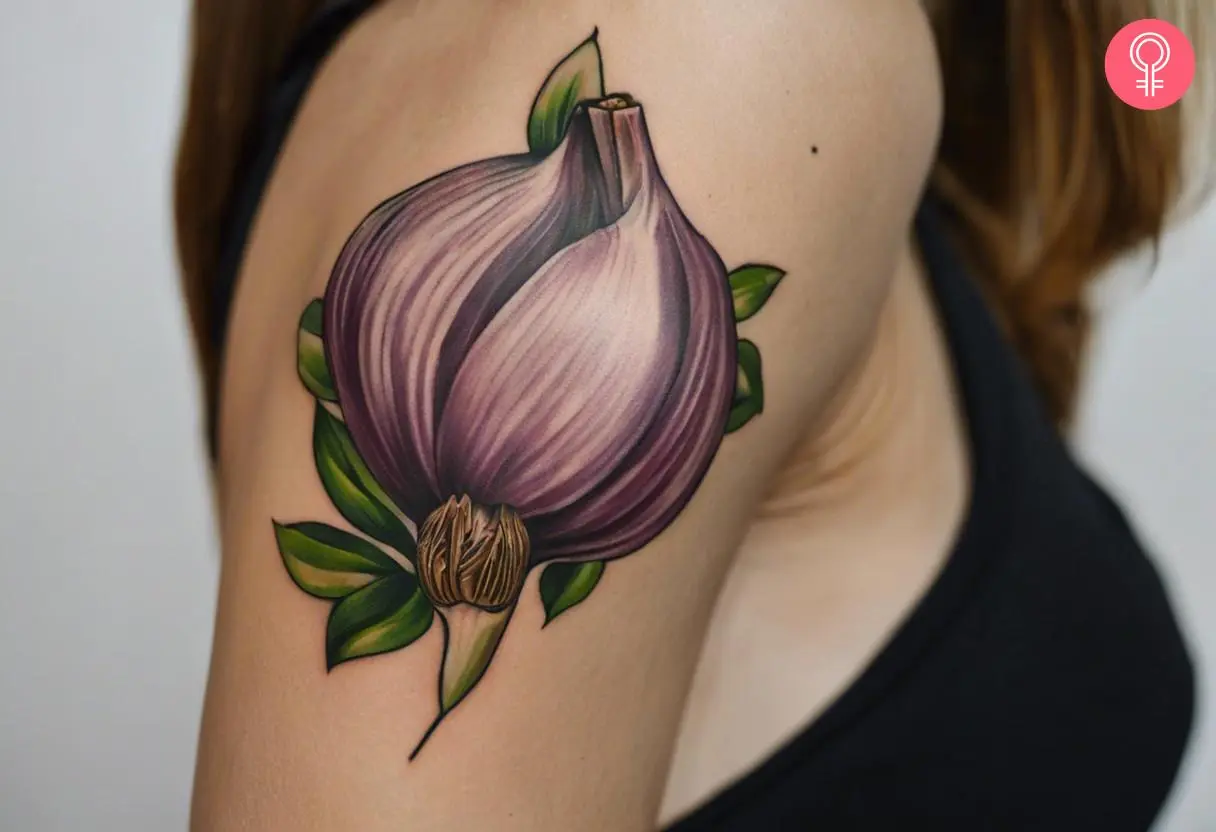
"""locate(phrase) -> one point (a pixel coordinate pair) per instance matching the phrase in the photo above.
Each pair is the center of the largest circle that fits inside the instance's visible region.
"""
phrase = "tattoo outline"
(476, 414)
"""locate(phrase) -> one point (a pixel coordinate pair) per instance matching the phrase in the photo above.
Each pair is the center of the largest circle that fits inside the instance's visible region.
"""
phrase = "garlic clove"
(567, 379)
(418, 281)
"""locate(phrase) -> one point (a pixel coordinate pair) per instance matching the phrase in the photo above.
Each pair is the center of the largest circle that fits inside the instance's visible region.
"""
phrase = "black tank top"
(1040, 684)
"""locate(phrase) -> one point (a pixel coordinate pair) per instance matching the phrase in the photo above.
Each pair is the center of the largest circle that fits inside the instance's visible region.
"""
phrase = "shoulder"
(801, 134)
(730, 81)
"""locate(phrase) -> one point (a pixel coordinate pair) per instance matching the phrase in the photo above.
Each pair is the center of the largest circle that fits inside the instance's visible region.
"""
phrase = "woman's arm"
(486, 459)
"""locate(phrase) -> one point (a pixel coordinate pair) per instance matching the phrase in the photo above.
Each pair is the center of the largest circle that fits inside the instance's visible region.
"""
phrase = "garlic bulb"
(535, 356)
(528, 360)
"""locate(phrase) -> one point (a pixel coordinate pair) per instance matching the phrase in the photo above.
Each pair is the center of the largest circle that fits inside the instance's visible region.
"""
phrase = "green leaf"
(386, 615)
(351, 487)
(749, 388)
(564, 585)
(310, 354)
(579, 77)
(329, 563)
(751, 286)
(314, 315)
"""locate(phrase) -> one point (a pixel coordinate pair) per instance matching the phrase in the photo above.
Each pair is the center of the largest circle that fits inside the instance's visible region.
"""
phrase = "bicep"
(498, 466)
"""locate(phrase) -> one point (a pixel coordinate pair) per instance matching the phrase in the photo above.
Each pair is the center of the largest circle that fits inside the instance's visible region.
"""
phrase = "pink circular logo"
(1150, 64)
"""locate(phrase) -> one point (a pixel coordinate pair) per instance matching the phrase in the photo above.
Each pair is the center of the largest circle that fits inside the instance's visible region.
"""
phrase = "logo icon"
(1150, 64)
(1150, 83)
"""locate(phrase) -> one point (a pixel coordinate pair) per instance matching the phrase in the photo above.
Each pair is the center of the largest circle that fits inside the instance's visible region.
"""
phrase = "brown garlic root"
(469, 554)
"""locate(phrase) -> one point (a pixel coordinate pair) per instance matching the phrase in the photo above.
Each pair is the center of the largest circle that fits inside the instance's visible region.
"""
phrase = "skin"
(700, 653)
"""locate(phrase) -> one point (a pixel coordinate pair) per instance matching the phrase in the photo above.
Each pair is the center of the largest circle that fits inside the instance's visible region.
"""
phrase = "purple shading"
(550, 334)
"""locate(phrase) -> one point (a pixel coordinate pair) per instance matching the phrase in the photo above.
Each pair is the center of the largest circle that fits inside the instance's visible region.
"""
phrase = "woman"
(609, 376)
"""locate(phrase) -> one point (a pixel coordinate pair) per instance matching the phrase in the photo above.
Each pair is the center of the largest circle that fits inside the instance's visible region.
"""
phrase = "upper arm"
(528, 390)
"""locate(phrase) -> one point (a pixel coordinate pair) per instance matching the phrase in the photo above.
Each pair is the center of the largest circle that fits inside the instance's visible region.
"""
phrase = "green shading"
(351, 487)
(751, 286)
(749, 388)
(386, 615)
(578, 77)
(310, 355)
(565, 585)
(329, 563)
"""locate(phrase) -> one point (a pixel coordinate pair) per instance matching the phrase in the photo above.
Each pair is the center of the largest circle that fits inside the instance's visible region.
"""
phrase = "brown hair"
(1049, 175)
(236, 51)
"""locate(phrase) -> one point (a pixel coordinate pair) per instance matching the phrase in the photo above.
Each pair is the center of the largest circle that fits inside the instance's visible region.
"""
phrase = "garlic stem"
(470, 637)
(621, 142)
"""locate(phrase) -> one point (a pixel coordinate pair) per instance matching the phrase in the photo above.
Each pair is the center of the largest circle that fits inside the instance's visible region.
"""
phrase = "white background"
(108, 553)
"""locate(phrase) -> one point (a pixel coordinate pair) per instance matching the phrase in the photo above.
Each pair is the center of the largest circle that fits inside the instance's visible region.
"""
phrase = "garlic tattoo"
(530, 361)
(471, 555)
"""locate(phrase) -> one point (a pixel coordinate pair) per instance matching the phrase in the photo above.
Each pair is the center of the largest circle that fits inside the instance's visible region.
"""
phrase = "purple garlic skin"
(549, 335)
